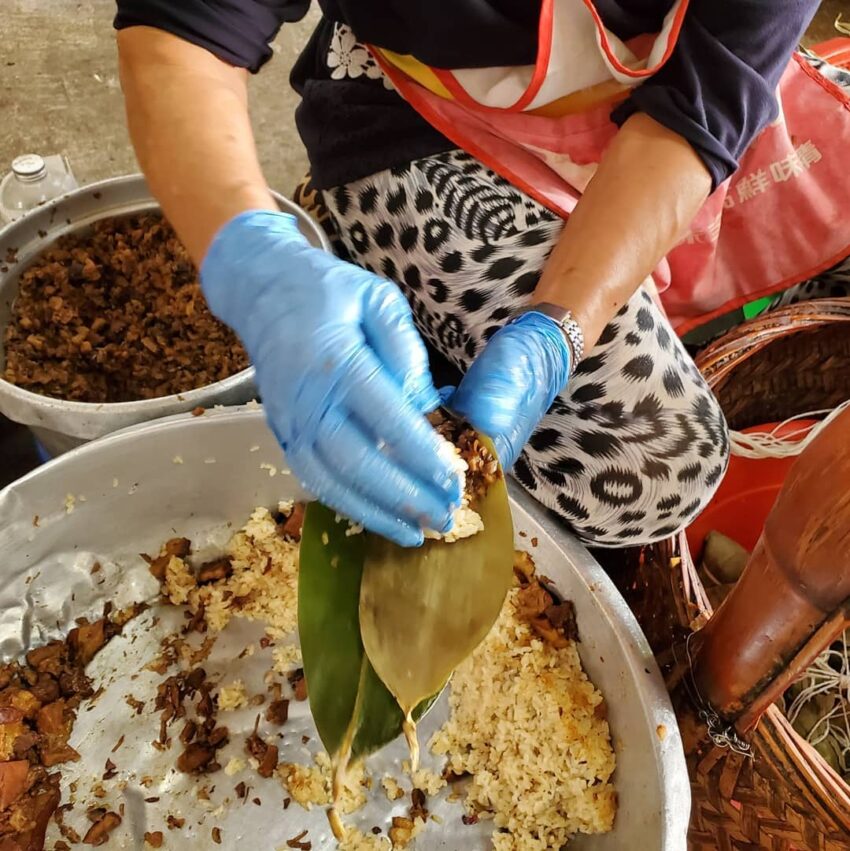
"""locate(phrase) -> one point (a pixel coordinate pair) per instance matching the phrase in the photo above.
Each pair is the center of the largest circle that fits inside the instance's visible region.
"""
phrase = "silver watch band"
(569, 327)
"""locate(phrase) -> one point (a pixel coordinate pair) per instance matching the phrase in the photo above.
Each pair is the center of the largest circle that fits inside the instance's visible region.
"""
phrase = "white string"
(841, 26)
(823, 678)
(771, 445)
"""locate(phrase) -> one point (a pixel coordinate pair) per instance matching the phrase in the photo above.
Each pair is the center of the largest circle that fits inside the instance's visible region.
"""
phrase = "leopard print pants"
(636, 445)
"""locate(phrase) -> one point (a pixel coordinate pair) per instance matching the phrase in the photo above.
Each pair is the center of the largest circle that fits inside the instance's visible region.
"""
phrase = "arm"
(682, 133)
(187, 112)
(340, 366)
(649, 186)
(646, 191)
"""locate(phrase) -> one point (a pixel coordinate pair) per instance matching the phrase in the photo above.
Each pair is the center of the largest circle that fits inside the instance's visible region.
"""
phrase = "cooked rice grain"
(232, 696)
(263, 585)
(311, 784)
(286, 658)
(354, 840)
(524, 723)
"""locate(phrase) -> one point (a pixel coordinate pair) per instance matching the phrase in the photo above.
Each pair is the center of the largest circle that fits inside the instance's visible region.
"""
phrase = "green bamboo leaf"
(349, 703)
(423, 611)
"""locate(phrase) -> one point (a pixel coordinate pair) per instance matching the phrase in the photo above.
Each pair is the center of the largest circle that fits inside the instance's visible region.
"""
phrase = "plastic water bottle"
(32, 181)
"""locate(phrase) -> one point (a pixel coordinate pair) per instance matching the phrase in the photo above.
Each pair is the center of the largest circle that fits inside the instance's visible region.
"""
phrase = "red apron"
(782, 218)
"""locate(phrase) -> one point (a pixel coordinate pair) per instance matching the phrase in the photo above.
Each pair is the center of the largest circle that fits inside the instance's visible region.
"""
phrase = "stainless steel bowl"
(59, 424)
(129, 495)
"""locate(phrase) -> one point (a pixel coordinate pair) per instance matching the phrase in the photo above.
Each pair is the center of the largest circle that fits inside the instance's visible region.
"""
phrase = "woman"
(449, 189)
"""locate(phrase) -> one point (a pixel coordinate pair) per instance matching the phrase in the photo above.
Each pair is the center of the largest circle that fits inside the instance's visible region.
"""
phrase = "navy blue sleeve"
(717, 90)
(237, 31)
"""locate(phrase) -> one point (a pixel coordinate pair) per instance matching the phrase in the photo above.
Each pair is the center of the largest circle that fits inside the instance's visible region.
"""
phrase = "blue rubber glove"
(513, 382)
(342, 372)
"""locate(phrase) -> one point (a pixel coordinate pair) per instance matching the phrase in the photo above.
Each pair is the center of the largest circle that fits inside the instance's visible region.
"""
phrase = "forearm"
(647, 190)
(187, 112)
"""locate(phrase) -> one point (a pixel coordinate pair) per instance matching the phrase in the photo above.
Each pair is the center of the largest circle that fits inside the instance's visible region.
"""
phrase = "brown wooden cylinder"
(796, 582)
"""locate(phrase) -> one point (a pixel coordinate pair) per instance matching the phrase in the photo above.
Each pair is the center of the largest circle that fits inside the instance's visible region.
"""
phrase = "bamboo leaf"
(350, 704)
(423, 611)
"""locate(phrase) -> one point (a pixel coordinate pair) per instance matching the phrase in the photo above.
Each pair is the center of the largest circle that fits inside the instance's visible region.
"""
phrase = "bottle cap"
(29, 167)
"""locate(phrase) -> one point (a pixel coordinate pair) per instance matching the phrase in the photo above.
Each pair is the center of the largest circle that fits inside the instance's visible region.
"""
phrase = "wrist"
(566, 324)
(554, 355)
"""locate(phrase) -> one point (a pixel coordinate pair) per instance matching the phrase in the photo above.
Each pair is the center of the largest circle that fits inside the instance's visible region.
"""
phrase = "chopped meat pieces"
(11, 732)
(299, 683)
(23, 825)
(98, 833)
(264, 753)
(154, 839)
(47, 659)
(13, 782)
(482, 466)
(175, 547)
(202, 738)
(533, 600)
(195, 759)
(10, 715)
(417, 805)
(298, 842)
(291, 524)
(562, 616)
(86, 641)
(188, 732)
(278, 712)
(116, 315)
(216, 570)
(554, 620)
(20, 699)
(38, 705)
(46, 689)
(54, 723)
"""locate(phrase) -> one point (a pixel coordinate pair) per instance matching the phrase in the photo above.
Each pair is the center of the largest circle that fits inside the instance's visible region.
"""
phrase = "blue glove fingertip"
(445, 394)
(426, 398)
(410, 539)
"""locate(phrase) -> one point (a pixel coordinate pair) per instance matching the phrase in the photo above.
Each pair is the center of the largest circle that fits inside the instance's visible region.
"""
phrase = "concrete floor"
(59, 91)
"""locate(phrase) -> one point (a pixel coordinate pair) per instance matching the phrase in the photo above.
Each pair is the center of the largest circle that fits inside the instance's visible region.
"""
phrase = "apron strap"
(613, 48)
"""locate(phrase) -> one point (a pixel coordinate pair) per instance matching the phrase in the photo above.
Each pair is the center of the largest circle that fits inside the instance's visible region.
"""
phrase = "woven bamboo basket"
(780, 795)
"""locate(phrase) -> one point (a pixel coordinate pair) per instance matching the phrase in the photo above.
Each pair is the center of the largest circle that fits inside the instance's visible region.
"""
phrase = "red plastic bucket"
(746, 494)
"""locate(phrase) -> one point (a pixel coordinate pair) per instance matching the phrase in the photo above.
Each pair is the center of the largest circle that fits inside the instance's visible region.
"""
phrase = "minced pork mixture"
(116, 315)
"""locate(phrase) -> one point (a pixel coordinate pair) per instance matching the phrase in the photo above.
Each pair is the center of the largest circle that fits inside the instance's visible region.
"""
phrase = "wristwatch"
(566, 322)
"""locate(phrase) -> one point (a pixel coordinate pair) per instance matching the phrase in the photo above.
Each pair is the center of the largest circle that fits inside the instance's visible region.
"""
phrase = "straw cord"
(772, 445)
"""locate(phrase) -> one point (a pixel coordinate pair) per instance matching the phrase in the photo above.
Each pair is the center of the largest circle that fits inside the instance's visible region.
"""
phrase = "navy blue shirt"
(717, 90)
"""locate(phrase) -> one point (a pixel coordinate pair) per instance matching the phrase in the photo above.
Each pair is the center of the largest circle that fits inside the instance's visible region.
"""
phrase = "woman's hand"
(342, 372)
(512, 383)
